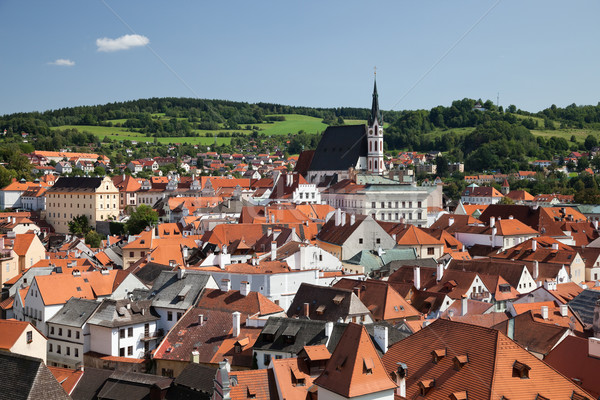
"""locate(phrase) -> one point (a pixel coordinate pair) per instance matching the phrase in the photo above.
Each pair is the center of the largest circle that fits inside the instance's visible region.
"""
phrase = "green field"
(293, 124)
(580, 134)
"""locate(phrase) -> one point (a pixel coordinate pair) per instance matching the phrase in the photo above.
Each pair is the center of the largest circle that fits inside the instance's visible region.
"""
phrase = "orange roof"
(22, 243)
(103, 258)
(412, 235)
(355, 368)
(252, 384)
(265, 267)
(471, 208)
(68, 378)
(288, 373)
(233, 300)
(317, 352)
(508, 227)
(554, 316)
(10, 331)
(66, 154)
(58, 288)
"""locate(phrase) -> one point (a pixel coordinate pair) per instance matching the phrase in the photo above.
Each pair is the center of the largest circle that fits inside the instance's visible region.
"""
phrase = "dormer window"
(425, 385)
(460, 361)
(520, 370)
(437, 355)
(459, 396)
(368, 366)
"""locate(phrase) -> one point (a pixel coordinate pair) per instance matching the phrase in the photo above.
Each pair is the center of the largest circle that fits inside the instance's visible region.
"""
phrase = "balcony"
(480, 296)
(147, 337)
(5, 255)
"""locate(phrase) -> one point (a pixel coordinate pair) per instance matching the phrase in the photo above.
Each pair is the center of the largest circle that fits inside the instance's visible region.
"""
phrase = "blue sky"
(314, 53)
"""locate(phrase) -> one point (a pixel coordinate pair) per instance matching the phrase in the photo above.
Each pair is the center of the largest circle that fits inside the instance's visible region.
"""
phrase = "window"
(69, 333)
(383, 204)
(430, 251)
(50, 347)
(179, 315)
(360, 240)
(267, 359)
(130, 331)
(169, 316)
(58, 349)
(419, 204)
(130, 350)
(29, 336)
(59, 331)
(76, 352)
(68, 351)
(77, 335)
(122, 352)
(403, 204)
(122, 333)
(389, 204)
(131, 254)
(378, 240)
(52, 330)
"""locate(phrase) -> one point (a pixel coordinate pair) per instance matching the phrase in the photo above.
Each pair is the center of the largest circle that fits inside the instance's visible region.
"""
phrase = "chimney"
(511, 217)
(343, 219)
(417, 277)
(224, 249)
(338, 217)
(401, 375)
(200, 319)
(305, 309)
(236, 323)
(545, 312)
(273, 250)
(536, 269)
(554, 246)
(356, 291)
(595, 225)
(450, 221)
(244, 288)
(381, 337)
(76, 272)
(180, 273)
(328, 328)
(564, 310)
(533, 245)
(185, 253)
(225, 285)
(440, 272)
(594, 347)
(104, 271)
(171, 263)
(464, 305)
(492, 222)
(352, 219)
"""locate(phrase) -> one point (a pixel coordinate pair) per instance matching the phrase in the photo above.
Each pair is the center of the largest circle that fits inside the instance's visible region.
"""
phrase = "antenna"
(498, 100)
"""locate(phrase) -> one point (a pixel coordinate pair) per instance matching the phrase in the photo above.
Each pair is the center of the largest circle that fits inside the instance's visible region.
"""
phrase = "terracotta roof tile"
(233, 300)
(10, 331)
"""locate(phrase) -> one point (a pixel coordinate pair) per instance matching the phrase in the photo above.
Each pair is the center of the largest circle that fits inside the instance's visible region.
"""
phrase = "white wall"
(324, 394)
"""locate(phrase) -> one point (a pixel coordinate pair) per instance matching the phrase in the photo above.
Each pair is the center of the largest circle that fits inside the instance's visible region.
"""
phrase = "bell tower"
(375, 137)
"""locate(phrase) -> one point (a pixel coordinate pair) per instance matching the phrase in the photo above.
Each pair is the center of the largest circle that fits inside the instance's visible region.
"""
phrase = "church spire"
(375, 113)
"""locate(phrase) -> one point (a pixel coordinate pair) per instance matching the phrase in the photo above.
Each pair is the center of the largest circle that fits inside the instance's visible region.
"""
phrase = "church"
(345, 150)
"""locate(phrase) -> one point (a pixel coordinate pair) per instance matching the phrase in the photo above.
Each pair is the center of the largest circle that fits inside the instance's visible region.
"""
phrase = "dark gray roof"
(25, 377)
(395, 265)
(584, 305)
(116, 313)
(76, 183)
(90, 383)
(310, 333)
(169, 291)
(326, 303)
(108, 384)
(194, 382)
(340, 148)
(150, 272)
(75, 312)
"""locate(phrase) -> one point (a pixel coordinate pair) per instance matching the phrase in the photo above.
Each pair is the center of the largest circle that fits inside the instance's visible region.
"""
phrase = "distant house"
(474, 194)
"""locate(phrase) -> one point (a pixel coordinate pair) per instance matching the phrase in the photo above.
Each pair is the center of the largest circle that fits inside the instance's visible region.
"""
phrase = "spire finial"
(375, 71)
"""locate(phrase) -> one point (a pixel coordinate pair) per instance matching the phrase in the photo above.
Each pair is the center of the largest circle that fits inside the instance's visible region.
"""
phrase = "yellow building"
(96, 198)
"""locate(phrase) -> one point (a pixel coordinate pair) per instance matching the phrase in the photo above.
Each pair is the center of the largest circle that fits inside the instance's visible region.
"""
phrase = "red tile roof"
(10, 331)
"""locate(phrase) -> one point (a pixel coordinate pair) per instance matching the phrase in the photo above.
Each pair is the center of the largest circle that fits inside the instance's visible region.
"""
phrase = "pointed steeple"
(375, 113)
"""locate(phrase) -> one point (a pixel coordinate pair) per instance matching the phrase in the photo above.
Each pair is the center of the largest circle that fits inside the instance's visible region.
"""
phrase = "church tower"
(375, 137)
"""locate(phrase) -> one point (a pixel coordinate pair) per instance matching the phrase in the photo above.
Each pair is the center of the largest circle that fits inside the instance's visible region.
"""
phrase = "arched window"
(369, 165)
(375, 146)
(370, 146)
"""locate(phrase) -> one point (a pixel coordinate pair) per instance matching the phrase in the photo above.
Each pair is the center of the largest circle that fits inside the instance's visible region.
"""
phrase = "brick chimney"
(306, 309)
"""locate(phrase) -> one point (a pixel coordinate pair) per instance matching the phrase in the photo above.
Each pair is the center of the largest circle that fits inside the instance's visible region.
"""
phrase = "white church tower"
(375, 137)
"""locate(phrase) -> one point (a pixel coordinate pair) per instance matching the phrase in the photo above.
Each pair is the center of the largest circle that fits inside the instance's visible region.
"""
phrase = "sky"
(67, 53)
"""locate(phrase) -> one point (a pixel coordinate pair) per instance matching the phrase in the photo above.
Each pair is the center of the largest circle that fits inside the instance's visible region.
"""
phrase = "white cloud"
(62, 62)
(122, 43)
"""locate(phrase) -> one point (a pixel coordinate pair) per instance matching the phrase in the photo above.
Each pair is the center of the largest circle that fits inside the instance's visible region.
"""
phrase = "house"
(34, 198)
(241, 385)
(174, 292)
(442, 358)
(474, 194)
(579, 359)
(122, 328)
(328, 304)
(412, 237)
(64, 167)
(25, 377)
(504, 233)
(10, 196)
(344, 235)
(69, 334)
(354, 370)
(135, 166)
(20, 337)
(69, 197)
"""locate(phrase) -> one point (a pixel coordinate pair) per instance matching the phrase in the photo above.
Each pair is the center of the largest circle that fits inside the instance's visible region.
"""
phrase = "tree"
(142, 217)
(80, 225)
(506, 200)
(590, 142)
(93, 239)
